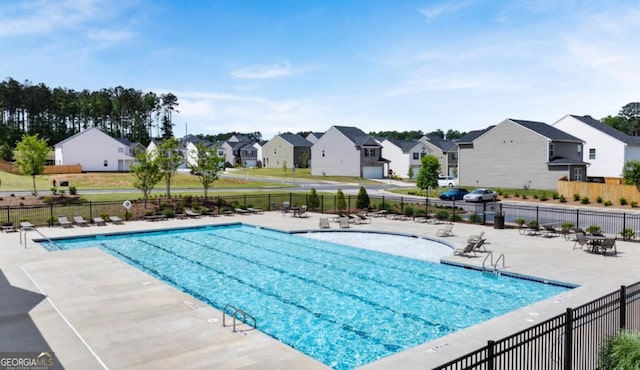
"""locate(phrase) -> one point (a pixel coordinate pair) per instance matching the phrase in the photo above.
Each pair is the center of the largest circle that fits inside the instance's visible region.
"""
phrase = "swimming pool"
(343, 306)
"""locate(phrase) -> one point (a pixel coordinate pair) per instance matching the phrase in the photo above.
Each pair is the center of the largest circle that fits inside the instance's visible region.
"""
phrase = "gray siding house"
(289, 149)
(519, 153)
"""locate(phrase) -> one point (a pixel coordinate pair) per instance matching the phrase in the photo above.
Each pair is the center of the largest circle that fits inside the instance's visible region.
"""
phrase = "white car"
(481, 195)
(449, 181)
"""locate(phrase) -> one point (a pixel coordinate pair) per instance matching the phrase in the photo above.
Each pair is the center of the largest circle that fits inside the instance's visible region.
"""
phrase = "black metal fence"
(568, 341)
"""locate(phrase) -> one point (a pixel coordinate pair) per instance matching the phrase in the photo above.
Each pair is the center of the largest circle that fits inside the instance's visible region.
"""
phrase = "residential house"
(233, 151)
(95, 151)
(287, 150)
(398, 152)
(519, 153)
(404, 154)
(606, 148)
(347, 151)
(314, 136)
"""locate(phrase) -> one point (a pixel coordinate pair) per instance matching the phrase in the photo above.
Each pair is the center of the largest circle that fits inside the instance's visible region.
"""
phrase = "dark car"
(454, 193)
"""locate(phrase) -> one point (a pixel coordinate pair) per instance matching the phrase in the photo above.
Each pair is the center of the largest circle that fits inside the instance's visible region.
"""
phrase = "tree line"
(58, 113)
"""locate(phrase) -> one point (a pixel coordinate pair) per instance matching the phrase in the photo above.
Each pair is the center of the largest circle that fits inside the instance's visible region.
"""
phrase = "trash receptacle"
(498, 221)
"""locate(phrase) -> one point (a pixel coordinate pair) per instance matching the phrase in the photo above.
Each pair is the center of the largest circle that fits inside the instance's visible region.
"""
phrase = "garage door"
(372, 172)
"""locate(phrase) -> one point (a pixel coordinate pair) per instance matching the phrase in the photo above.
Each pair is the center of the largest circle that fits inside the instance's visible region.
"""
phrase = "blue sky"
(275, 66)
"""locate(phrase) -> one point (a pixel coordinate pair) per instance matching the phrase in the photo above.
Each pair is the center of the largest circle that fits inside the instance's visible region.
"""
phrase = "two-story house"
(96, 151)
(606, 148)
(518, 153)
(347, 151)
(287, 149)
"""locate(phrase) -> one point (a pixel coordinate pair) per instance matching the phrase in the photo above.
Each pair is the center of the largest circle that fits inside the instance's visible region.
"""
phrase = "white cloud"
(446, 8)
(264, 72)
(39, 17)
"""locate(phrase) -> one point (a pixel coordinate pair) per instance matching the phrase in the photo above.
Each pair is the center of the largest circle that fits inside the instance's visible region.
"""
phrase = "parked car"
(454, 193)
(449, 181)
(481, 195)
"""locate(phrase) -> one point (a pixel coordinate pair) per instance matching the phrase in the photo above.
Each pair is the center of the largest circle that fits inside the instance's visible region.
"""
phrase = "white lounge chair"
(467, 250)
(99, 221)
(64, 221)
(191, 213)
(344, 222)
(324, 223)
(79, 220)
(447, 230)
(115, 219)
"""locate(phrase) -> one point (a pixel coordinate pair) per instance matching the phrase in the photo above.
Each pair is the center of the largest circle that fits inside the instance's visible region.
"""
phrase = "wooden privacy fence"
(62, 169)
(608, 191)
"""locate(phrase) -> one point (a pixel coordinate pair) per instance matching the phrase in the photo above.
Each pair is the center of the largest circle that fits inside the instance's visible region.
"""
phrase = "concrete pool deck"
(94, 311)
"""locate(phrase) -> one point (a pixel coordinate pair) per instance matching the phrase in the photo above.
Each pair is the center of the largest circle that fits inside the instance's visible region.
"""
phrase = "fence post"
(90, 210)
(269, 202)
(348, 203)
(291, 199)
(568, 339)
(490, 355)
(624, 226)
(401, 205)
(321, 203)
(623, 307)
(577, 217)
(245, 200)
(50, 221)
(538, 214)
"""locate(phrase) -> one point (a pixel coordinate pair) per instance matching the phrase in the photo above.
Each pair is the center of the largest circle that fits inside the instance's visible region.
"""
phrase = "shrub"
(168, 212)
(543, 197)
(314, 200)
(127, 215)
(607, 203)
(634, 204)
(73, 190)
(576, 197)
(567, 225)
(621, 351)
(420, 212)
(520, 221)
(47, 199)
(442, 214)
(555, 195)
(362, 201)
(628, 233)
(475, 218)
(535, 196)
(623, 201)
(598, 199)
(54, 190)
(384, 206)
(456, 217)
(104, 216)
(409, 211)
(533, 224)
(594, 229)
(524, 196)
(584, 200)
(562, 199)
(516, 194)
(506, 196)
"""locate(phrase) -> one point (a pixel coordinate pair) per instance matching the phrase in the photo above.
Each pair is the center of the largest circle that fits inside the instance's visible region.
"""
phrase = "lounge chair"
(344, 222)
(475, 238)
(362, 219)
(241, 211)
(191, 213)
(478, 245)
(549, 231)
(302, 212)
(467, 250)
(447, 230)
(380, 213)
(608, 243)
(324, 223)
(8, 227)
(99, 221)
(254, 210)
(79, 220)
(64, 221)
(115, 219)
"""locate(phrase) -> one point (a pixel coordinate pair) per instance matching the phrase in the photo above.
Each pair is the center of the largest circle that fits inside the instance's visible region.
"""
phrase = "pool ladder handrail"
(33, 228)
(237, 311)
(501, 257)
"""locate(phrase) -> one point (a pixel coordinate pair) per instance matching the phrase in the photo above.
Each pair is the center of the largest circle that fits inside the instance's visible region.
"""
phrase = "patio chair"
(475, 238)
(190, 213)
(447, 230)
(549, 231)
(344, 222)
(580, 240)
(254, 210)
(607, 244)
(99, 221)
(115, 219)
(467, 250)
(324, 223)
(241, 211)
(79, 220)
(362, 219)
(64, 221)
(302, 212)
(8, 227)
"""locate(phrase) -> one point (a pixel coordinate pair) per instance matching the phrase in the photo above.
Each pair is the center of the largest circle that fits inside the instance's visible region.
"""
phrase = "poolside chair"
(241, 211)
(380, 213)
(324, 223)
(302, 212)
(447, 230)
(254, 210)
(580, 240)
(467, 250)
(608, 243)
(115, 219)
(8, 227)
(64, 221)
(344, 222)
(475, 238)
(79, 220)
(549, 231)
(190, 213)
(478, 245)
(99, 221)
(362, 219)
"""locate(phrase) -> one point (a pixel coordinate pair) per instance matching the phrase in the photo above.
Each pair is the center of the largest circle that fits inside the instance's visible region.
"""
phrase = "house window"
(454, 156)
(106, 163)
(416, 155)
(274, 151)
(551, 154)
(423, 154)
(577, 174)
(322, 152)
(369, 152)
(121, 150)
(592, 153)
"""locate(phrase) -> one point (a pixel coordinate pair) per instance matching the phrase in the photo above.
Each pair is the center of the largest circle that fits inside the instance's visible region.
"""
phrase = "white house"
(398, 152)
(95, 151)
(347, 151)
(605, 148)
(314, 136)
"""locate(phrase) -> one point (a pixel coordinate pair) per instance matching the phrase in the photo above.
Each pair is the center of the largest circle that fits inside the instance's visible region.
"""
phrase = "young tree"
(6, 152)
(207, 165)
(631, 172)
(169, 158)
(341, 203)
(314, 200)
(31, 154)
(146, 174)
(410, 173)
(429, 171)
(362, 202)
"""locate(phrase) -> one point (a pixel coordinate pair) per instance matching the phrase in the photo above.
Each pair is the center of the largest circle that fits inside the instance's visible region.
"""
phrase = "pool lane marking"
(95, 355)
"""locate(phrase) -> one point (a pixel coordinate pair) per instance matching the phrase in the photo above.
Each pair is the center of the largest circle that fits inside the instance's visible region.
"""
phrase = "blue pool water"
(341, 305)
